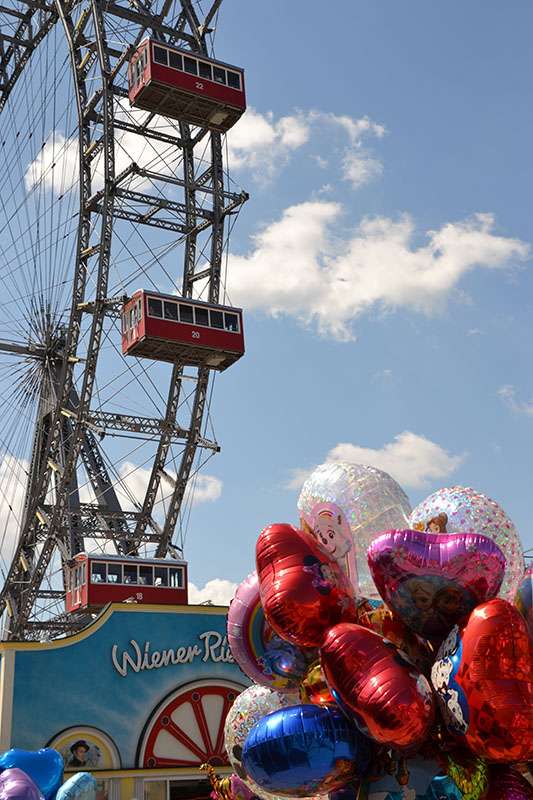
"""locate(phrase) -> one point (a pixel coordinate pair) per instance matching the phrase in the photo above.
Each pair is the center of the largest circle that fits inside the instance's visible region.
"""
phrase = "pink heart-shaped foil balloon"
(432, 580)
(507, 784)
(17, 785)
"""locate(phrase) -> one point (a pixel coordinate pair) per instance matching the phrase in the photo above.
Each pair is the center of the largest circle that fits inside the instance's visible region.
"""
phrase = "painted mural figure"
(78, 757)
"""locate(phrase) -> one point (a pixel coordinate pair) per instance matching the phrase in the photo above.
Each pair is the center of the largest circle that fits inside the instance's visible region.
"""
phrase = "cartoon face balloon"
(483, 677)
(370, 500)
(328, 525)
(459, 509)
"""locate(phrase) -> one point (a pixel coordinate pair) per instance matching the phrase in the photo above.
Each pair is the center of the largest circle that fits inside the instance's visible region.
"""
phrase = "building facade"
(138, 698)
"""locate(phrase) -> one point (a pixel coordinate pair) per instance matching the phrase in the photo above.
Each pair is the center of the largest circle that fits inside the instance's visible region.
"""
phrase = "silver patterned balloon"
(370, 500)
(459, 509)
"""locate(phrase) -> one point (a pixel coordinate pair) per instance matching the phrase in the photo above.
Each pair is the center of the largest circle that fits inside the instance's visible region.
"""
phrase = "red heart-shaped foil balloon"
(483, 677)
(392, 702)
(303, 591)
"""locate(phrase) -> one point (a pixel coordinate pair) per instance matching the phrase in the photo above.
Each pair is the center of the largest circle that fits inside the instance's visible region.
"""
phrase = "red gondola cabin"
(169, 328)
(94, 581)
(186, 86)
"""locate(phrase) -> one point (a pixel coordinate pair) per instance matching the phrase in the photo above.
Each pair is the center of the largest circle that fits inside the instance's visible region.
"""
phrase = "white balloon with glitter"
(371, 501)
(459, 509)
(248, 708)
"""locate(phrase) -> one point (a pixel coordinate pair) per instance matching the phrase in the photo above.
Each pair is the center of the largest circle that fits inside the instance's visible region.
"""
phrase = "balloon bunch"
(422, 691)
(29, 775)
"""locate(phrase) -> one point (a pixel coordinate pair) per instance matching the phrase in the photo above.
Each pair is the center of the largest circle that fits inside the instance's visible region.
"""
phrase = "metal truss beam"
(147, 426)
(146, 20)
(148, 133)
(160, 203)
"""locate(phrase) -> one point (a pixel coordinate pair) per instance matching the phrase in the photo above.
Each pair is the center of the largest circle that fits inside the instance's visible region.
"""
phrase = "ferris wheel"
(99, 198)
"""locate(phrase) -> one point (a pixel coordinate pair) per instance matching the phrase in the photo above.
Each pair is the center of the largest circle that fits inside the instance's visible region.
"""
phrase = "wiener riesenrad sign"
(211, 646)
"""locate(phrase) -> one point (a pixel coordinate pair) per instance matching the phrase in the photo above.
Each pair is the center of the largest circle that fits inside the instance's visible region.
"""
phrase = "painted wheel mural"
(187, 728)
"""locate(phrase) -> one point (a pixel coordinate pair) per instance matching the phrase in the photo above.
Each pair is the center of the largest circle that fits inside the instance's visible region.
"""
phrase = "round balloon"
(459, 509)
(524, 599)
(261, 654)
(45, 767)
(17, 785)
(304, 749)
(248, 708)
(370, 501)
(81, 786)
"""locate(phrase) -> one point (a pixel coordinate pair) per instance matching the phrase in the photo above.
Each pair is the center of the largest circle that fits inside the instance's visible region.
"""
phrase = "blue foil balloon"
(45, 767)
(304, 750)
(81, 786)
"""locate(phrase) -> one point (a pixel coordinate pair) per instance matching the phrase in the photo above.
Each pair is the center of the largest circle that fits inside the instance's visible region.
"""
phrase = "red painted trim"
(209, 751)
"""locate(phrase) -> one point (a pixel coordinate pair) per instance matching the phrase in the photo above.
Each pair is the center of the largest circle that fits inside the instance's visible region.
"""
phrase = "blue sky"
(382, 258)
(383, 262)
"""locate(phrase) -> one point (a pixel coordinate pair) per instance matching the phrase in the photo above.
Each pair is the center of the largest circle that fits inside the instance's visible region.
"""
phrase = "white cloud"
(56, 165)
(299, 267)
(298, 476)
(360, 169)
(508, 395)
(218, 591)
(359, 166)
(413, 460)
(13, 477)
(264, 145)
